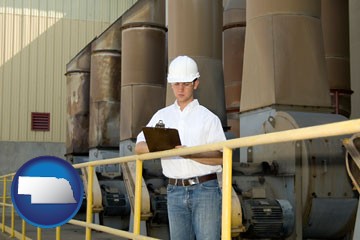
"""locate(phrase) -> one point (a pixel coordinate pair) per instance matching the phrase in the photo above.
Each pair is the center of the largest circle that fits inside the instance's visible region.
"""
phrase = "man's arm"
(141, 147)
(208, 158)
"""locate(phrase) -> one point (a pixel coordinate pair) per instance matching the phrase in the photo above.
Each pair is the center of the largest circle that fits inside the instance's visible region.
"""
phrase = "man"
(193, 192)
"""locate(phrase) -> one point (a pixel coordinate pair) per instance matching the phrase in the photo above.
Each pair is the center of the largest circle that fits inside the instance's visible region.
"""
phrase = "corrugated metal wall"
(37, 39)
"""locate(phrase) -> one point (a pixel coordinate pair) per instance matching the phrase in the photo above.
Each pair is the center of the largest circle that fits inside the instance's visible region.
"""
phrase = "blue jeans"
(195, 211)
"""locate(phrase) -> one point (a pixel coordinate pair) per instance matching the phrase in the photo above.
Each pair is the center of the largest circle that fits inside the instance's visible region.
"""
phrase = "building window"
(40, 121)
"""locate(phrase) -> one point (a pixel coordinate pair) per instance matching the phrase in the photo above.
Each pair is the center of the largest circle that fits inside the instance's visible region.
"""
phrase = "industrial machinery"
(302, 175)
(286, 84)
(276, 79)
(352, 146)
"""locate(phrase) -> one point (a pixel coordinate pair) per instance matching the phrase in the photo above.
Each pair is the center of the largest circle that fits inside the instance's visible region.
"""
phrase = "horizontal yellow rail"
(325, 130)
(7, 175)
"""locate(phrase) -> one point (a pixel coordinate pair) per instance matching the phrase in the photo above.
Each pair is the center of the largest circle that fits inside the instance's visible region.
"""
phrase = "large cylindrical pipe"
(233, 45)
(105, 83)
(143, 66)
(284, 63)
(77, 102)
(335, 24)
(195, 29)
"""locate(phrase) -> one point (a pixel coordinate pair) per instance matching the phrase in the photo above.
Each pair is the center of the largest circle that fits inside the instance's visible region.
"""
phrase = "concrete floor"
(68, 231)
(73, 232)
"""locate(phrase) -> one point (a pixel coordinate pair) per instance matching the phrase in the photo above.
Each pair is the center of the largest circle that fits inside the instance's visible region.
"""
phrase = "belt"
(192, 181)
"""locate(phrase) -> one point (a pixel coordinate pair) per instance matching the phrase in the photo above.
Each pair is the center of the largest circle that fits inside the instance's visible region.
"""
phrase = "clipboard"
(160, 138)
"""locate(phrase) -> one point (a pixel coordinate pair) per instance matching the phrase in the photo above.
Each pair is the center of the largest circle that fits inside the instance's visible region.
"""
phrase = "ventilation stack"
(143, 66)
(335, 24)
(195, 29)
(77, 106)
(105, 83)
(142, 94)
(78, 116)
(105, 80)
(284, 62)
(234, 40)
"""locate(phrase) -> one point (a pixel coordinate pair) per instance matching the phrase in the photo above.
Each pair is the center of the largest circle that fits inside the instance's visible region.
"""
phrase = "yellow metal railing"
(326, 130)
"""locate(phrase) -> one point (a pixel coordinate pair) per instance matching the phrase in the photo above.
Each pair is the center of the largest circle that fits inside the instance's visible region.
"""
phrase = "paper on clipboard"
(159, 138)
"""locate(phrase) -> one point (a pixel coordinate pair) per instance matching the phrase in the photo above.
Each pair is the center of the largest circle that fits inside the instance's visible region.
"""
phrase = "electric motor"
(265, 218)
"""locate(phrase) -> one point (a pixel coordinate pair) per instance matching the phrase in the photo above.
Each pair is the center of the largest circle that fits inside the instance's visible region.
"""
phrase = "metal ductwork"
(284, 62)
(335, 25)
(233, 44)
(105, 83)
(285, 86)
(77, 97)
(143, 67)
(142, 94)
(195, 29)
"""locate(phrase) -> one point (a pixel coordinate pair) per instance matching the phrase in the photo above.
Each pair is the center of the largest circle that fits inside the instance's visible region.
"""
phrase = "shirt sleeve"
(140, 137)
(216, 132)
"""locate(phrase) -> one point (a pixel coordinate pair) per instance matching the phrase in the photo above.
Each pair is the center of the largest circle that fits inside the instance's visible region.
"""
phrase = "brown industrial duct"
(77, 102)
(105, 83)
(335, 24)
(354, 17)
(284, 61)
(195, 29)
(143, 65)
(234, 40)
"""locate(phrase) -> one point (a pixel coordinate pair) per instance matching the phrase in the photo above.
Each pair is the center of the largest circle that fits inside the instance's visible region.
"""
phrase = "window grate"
(40, 121)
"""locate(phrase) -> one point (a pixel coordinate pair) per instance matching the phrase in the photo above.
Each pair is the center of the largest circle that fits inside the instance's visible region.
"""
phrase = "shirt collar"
(188, 107)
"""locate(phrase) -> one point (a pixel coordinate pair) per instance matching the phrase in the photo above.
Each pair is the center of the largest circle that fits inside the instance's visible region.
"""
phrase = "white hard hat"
(183, 69)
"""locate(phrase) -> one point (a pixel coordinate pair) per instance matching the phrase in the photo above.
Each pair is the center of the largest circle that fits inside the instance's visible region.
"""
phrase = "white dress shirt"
(197, 126)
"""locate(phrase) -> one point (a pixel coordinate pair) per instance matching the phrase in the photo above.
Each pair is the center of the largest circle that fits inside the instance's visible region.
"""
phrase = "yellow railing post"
(12, 221)
(138, 186)
(23, 229)
(12, 216)
(58, 231)
(89, 212)
(38, 233)
(4, 202)
(226, 194)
